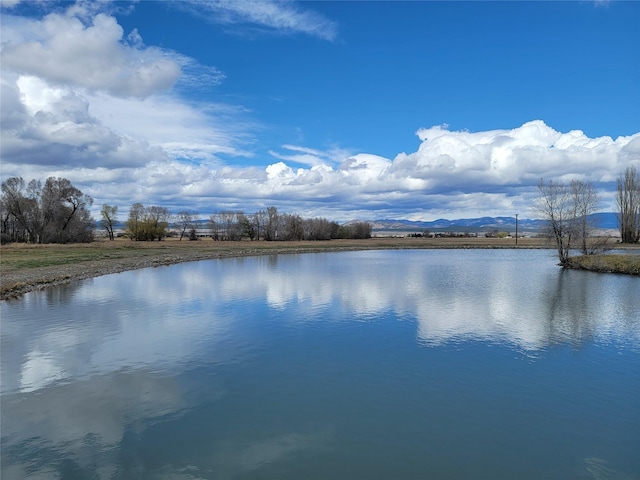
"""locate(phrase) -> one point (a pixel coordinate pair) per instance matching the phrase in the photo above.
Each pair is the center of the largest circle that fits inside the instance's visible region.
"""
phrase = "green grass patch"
(13, 259)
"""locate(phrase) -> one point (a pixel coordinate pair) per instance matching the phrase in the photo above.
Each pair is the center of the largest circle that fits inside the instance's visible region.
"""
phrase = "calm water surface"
(476, 364)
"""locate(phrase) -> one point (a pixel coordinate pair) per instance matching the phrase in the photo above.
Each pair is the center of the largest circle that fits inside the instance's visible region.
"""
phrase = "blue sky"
(366, 110)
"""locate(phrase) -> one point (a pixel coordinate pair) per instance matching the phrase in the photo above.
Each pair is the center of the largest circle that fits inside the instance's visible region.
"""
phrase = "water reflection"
(41, 346)
(107, 323)
(581, 306)
(94, 373)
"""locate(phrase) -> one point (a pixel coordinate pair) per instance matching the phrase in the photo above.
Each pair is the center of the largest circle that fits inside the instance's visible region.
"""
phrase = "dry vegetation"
(609, 263)
(26, 267)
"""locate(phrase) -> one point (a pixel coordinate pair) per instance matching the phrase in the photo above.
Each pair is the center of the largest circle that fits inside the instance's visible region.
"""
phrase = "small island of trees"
(567, 207)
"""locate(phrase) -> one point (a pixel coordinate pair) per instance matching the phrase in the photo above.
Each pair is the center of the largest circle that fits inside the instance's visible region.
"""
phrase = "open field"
(29, 267)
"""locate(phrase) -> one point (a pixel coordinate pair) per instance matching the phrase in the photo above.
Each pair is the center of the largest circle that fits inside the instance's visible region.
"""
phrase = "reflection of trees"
(570, 313)
(273, 261)
(585, 305)
(62, 294)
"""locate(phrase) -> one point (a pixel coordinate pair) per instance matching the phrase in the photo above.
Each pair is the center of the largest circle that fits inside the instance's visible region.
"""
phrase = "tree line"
(628, 200)
(271, 225)
(152, 223)
(58, 212)
(566, 207)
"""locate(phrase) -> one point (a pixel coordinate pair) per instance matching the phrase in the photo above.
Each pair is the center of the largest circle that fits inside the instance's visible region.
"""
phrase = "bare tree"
(19, 208)
(260, 222)
(80, 228)
(316, 229)
(567, 208)
(184, 220)
(228, 220)
(109, 215)
(628, 199)
(555, 205)
(214, 224)
(23, 204)
(292, 227)
(586, 201)
(63, 207)
(361, 230)
(7, 226)
(271, 227)
(38, 213)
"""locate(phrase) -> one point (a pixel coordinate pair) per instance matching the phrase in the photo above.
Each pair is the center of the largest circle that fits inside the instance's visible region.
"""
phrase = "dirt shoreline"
(25, 268)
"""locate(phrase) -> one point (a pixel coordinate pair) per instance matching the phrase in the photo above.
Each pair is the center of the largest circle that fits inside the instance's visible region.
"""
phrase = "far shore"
(26, 267)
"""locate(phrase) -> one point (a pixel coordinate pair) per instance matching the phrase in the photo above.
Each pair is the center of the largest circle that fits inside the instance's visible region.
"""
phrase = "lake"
(443, 364)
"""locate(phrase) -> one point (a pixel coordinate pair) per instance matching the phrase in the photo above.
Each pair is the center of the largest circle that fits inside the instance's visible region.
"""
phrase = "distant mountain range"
(604, 221)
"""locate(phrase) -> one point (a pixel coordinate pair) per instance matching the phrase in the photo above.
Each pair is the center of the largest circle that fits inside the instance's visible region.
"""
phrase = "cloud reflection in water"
(88, 365)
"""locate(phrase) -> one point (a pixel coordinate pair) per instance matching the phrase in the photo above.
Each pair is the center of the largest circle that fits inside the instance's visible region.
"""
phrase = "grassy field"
(27, 267)
(16, 257)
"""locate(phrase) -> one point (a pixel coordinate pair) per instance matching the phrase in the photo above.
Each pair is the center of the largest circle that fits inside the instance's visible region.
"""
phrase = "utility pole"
(516, 229)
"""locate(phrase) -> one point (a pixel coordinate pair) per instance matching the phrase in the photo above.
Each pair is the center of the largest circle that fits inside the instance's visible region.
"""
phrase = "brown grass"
(23, 256)
(608, 263)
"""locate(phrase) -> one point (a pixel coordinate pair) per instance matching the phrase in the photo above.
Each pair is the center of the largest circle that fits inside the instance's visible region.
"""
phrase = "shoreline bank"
(25, 268)
(607, 263)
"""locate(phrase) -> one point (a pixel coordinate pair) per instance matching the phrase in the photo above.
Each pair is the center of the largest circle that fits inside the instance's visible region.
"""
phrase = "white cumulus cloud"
(520, 156)
(63, 49)
(78, 94)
